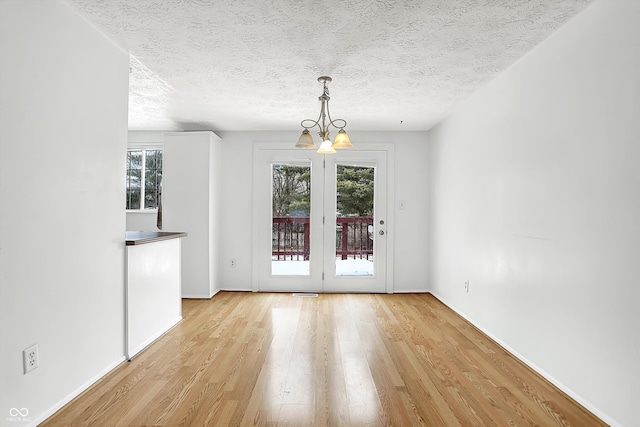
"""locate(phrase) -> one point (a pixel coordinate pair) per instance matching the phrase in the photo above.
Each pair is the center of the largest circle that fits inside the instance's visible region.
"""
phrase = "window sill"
(143, 211)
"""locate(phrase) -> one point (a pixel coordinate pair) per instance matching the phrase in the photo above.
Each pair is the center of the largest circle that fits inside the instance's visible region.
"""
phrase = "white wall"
(63, 134)
(535, 200)
(190, 203)
(142, 221)
(215, 215)
(411, 233)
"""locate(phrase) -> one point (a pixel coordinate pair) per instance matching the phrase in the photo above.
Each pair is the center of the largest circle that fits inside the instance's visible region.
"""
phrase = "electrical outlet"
(30, 358)
(466, 285)
(232, 263)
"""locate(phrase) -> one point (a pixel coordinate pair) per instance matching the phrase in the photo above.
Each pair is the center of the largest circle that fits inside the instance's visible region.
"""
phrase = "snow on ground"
(347, 267)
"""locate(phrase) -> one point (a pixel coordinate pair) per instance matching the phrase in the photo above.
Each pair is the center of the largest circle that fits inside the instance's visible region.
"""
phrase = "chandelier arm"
(315, 123)
(333, 123)
(328, 115)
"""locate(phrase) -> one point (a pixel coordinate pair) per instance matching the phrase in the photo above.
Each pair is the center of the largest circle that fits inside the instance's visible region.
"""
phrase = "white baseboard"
(196, 296)
(590, 407)
(76, 392)
(404, 291)
(132, 352)
(202, 296)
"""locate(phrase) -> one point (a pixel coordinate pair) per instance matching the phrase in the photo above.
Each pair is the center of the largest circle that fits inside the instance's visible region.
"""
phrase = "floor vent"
(306, 295)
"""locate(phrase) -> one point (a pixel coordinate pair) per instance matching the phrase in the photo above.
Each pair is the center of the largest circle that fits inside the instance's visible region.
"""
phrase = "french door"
(320, 222)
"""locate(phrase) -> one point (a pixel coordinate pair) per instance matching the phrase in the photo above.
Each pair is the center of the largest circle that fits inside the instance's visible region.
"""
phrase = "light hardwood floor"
(339, 359)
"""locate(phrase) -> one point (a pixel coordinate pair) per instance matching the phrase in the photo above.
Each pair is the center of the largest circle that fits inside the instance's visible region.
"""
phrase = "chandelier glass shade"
(305, 140)
(323, 123)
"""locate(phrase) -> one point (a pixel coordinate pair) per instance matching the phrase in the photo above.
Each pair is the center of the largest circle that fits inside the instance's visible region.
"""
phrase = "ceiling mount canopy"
(324, 121)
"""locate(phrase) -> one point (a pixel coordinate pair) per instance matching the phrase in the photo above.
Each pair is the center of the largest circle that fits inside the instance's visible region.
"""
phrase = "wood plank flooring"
(340, 359)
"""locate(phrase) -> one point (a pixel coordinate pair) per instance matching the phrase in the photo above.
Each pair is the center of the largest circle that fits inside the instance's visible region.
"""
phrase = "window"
(144, 178)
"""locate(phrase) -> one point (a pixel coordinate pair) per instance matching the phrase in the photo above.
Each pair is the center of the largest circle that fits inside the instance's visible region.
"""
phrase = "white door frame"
(261, 202)
(263, 280)
(377, 282)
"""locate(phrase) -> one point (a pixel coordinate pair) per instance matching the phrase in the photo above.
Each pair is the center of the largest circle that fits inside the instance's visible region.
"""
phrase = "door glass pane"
(290, 208)
(354, 220)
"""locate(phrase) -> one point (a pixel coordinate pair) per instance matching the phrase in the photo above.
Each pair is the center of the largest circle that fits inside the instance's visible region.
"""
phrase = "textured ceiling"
(253, 64)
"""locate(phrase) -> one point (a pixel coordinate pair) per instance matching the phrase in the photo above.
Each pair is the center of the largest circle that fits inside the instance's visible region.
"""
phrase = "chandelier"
(323, 123)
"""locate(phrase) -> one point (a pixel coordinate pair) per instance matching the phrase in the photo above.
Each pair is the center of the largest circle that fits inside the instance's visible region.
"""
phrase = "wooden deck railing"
(290, 238)
(354, 237)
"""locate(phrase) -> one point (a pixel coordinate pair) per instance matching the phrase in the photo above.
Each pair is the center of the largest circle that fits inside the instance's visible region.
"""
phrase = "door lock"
(381, 232)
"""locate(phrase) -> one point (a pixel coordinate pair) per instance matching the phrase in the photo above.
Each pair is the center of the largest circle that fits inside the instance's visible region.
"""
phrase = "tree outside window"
(355, 186)
(144, 178)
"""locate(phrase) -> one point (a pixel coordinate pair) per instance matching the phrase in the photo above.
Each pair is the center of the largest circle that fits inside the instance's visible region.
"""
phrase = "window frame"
(143, 147)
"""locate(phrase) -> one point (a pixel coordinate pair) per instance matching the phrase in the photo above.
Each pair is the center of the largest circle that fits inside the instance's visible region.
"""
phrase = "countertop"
(133, 238)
